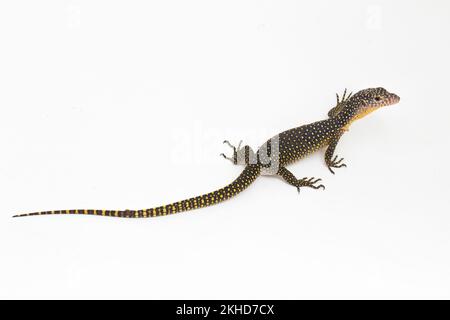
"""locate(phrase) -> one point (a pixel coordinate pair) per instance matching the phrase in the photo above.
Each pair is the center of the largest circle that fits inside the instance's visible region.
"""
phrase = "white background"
(118, 105)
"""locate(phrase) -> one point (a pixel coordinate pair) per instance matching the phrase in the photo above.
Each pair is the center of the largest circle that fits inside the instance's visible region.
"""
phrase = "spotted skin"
(272, 157)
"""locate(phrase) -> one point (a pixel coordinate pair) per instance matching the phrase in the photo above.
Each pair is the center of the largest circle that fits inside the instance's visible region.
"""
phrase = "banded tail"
(250, 173)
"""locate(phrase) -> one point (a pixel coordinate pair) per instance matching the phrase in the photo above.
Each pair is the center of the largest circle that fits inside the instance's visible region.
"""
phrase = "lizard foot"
(241, 155)
(344, 97)
(335, 163)
(339, 103)
(231, 146)
(309, 182)
(233, 159)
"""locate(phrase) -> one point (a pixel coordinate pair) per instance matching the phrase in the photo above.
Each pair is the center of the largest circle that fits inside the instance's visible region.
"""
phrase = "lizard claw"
(225, 157)
(229, 144)
(345, 97)
(336, 164)
(311, 183)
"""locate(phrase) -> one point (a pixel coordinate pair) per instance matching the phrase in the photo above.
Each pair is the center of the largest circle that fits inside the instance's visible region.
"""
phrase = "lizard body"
(273, 156)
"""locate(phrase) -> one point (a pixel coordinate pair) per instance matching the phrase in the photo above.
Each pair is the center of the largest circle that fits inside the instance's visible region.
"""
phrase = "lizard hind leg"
(241, 155)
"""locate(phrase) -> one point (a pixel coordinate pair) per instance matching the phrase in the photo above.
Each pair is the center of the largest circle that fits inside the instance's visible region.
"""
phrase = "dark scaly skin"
(273, 156)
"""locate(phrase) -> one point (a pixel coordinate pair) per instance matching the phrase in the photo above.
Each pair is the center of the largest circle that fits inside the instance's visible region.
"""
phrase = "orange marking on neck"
(358, 116)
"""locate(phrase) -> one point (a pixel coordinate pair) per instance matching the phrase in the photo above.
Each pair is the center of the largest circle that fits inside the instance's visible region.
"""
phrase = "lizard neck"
(345, 118)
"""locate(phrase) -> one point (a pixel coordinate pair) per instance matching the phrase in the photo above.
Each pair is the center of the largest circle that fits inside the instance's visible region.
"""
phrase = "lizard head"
(366, 101)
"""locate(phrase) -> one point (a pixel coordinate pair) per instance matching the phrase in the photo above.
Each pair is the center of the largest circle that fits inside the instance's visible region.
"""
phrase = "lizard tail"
(250, 173)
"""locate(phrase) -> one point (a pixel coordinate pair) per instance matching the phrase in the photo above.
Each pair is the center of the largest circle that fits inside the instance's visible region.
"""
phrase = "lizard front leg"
(329, 160)
(298, 183)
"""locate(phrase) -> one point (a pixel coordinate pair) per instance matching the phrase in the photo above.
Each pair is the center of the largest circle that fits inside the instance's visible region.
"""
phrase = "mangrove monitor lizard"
(273, 156)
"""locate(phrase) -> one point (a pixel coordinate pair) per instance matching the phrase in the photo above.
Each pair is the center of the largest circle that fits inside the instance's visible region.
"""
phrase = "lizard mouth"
(393, 99)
